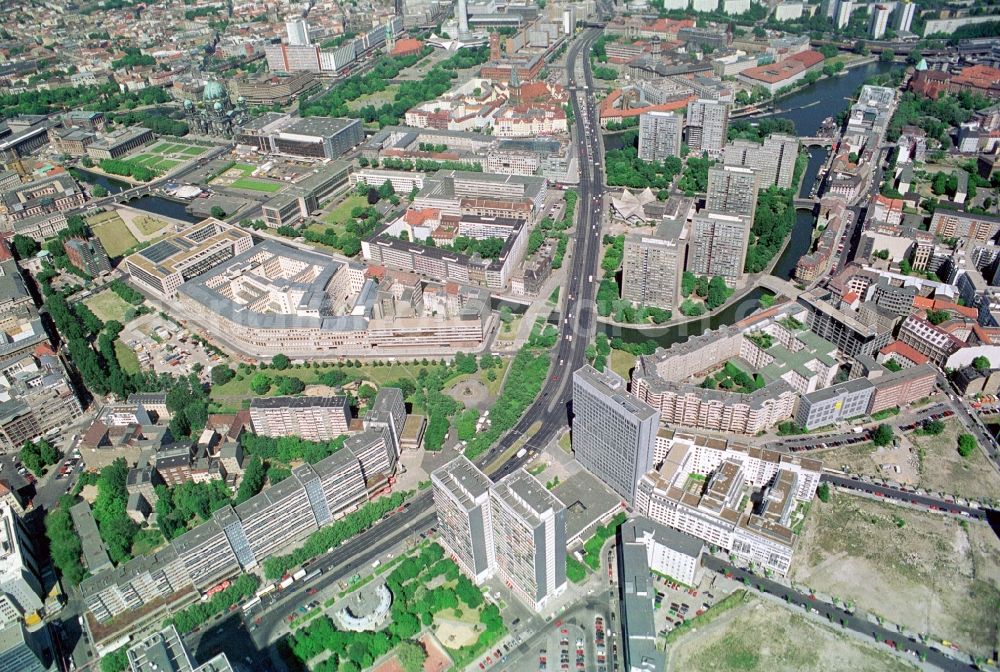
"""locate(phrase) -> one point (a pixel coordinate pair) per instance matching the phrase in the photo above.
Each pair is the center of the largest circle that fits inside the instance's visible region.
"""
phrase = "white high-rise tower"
(462, 9)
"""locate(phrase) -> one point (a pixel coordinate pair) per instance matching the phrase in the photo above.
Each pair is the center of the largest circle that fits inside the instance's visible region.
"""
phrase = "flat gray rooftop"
(587, 501)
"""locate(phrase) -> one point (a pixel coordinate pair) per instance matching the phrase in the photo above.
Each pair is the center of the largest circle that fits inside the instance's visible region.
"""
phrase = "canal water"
(833, 94)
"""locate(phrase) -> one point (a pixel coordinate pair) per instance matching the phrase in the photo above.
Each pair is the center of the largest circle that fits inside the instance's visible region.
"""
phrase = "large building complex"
(22, 650)
(660, 135)
(529, 528)
(644, 546)
(785, 359)
(718, 245)
(781, 74)
(302, 56)
(165, 265)
(462, 500)
(714, 505)
(773, 160)
(235, 539)
(789, 370)
(271, 90)
(20, 574)
(544, 156)
(309, 418)
(457, 204)
(88, 255)
(668, 551)
(120, 143)
(973, 227)
(515, 529)
(653, 265)
(56, 193)
(732, 190)
(305, 196)
(613, 431)
(36, 393)
(848, 330)
(164, 651)
(443, 265)
(275, 299)
(307, 137)
(707, 125)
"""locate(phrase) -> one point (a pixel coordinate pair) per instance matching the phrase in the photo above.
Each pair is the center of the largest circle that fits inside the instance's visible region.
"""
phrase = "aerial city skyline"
(565, 335)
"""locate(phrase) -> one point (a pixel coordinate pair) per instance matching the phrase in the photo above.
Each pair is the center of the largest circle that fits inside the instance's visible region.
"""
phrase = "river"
(151, 204)
(834, 94)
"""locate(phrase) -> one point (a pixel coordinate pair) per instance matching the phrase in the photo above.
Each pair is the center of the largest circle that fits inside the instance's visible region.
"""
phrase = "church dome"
(214, 91)
(218, 106)
(922, 65)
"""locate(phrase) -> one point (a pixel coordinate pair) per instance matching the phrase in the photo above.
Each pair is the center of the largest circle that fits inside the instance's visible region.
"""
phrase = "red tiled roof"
(905, 351)
(419, 217)
(808, 58)
(782, 70)
(608, 111)
(43, 349)
(669, 25)
(989, 335)
(952, 307)
(980, 76)
(891, 203)
(407, 45)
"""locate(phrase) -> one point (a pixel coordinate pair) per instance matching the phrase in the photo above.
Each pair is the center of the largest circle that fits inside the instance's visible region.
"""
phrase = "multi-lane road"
(578, 319)
(267, 623)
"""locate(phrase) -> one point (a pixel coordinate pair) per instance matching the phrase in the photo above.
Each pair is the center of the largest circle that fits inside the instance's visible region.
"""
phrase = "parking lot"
(859, 434)
(676, 603)
(577, 642)
(565, 648)
(58, 479)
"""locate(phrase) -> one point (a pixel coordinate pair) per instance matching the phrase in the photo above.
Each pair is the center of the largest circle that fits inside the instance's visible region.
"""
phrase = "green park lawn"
(127, 359)
(160, 148)
(107, 306)
(193, 150)
(622, 362)
(245, 167)
(114, 235)
(340, 215)
(167, 164)
(235, 389)
(256, 185)
(377, 99)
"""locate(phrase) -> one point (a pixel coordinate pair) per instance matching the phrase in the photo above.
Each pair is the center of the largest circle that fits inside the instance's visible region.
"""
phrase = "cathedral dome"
(214, 91)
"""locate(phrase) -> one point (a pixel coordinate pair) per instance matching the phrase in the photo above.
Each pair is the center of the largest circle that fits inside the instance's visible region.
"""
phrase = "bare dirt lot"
(930, 573)
(928, 462)
(942, 469)
(760, 635)
(867, 460)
